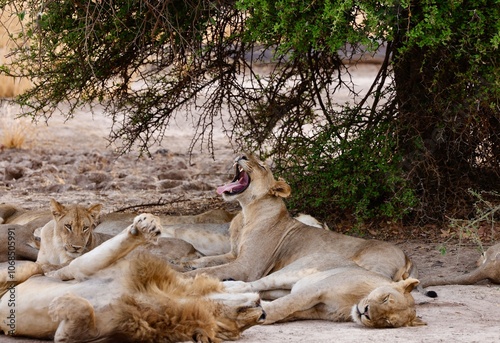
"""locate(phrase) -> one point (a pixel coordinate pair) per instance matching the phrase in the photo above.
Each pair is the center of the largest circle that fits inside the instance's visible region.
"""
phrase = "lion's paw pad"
(147, 224)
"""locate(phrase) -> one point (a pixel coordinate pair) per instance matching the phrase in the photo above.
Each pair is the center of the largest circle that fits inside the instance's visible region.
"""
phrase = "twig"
(160, 202)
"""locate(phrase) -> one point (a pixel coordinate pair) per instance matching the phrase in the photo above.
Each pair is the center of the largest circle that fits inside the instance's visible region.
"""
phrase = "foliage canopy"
(410, 147)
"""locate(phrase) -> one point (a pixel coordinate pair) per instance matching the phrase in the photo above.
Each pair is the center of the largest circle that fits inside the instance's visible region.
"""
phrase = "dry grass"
(15, 133)
(11, 87)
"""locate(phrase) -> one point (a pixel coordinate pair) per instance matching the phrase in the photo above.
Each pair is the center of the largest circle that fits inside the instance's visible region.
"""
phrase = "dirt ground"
(72, 162)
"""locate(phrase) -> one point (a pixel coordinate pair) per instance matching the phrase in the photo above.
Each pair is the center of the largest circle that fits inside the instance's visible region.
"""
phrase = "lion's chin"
(356, 316)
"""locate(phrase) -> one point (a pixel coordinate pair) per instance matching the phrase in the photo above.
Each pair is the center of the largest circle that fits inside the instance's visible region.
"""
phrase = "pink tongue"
(234, 186)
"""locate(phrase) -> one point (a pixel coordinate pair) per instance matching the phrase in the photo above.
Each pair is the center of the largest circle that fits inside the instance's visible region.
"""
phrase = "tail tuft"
(431, 294)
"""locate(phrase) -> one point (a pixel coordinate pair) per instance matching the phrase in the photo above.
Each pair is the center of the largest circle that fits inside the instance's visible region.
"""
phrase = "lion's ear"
(408, 285)
(94, 211)
(57, 209)
(281, 189)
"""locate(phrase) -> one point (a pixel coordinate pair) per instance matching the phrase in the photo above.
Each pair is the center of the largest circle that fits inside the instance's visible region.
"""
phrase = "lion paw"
(186, 266)
(66, 306)
(49, 269)
(237, 287)
(201, 336)
(148, 225)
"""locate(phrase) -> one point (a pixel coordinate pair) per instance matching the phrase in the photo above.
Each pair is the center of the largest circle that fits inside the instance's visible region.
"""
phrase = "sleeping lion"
(347, 293)
(110, 294)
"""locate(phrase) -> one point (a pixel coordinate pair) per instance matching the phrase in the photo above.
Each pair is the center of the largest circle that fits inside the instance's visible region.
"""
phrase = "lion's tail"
(413, 273)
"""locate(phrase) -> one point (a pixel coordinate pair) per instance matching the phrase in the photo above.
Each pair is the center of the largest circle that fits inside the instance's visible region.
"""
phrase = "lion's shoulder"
(11, 214)
(7, 211)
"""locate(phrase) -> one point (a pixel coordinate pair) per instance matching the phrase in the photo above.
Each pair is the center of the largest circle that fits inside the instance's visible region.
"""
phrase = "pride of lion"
(203, 278)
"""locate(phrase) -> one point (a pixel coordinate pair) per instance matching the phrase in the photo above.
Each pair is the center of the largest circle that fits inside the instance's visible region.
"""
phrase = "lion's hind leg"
(76, 319)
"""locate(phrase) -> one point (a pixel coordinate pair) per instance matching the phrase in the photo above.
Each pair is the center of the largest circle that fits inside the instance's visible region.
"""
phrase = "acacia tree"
(426, 131)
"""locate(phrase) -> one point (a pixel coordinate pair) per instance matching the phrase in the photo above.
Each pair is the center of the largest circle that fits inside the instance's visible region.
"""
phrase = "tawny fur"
(110, 294)
(265, 238)
(283, 258)
(488, 268)
(171, 320)
(203, 234)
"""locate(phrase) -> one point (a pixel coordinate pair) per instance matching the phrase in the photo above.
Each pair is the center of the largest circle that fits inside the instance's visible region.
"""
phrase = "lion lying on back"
(265, 240)
(109, 294)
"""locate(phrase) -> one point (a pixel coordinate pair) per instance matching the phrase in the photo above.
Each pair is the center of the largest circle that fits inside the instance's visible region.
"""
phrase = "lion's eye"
(262, 166)
(68, 227)
(85, 228)
(243, 309)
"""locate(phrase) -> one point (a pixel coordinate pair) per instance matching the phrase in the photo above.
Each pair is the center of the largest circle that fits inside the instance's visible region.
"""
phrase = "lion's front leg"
(208, 261)
(145, 228)
(281, 280)
(76, 319)
(293, 306)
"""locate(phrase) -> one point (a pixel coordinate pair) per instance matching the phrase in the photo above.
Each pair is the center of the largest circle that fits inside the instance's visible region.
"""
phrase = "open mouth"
(240, 182)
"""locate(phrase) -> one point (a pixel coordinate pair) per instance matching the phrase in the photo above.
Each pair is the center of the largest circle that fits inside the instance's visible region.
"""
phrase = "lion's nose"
(77, 247)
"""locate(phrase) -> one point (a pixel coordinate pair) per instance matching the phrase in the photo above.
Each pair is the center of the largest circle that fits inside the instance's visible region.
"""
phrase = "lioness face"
(236, 313)
(74, 225)
(388, 307)
(253, 180)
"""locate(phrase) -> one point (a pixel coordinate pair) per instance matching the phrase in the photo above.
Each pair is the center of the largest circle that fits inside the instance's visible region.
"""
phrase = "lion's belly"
(24, 311)
(24, 308)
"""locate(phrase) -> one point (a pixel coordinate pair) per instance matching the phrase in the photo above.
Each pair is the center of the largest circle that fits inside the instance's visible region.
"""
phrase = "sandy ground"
(72, 162)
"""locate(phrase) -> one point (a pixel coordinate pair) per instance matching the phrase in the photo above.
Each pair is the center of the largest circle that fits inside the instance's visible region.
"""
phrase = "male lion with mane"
(109, 294)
